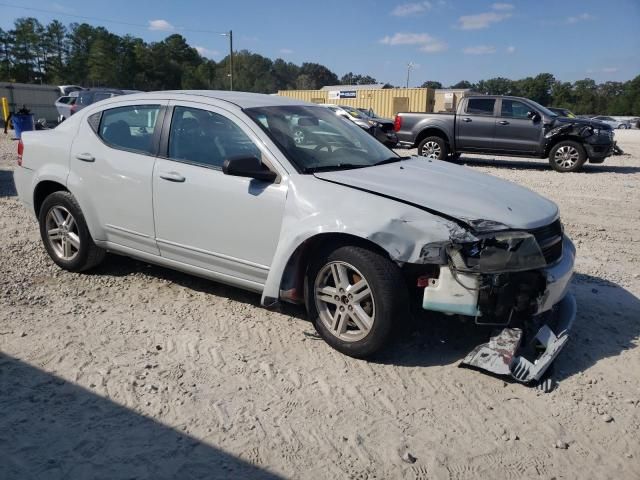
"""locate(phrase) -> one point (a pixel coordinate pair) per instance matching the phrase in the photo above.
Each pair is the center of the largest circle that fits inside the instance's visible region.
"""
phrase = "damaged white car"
(215, 184)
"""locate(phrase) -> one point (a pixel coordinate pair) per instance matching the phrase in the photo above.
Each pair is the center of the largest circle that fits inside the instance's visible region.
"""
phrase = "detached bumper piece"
(504, 354)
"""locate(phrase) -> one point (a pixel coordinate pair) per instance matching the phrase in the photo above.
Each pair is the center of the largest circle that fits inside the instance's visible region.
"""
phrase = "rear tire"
(433, 147)
(567, 156)
(355, 297)
(65, 235)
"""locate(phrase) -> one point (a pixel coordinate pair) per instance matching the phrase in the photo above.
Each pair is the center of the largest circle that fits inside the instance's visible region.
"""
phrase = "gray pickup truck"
(506, 126)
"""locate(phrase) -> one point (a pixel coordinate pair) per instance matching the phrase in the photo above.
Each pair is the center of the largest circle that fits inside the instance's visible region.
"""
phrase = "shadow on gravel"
(7, 186)
(527, 164)
(606, 325)
(119, 266)
(53, 429)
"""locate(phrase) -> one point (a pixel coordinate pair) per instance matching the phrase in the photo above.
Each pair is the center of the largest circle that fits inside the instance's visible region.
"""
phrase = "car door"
(475, 127)
(515, 131)
(221, 223)
(111, 167)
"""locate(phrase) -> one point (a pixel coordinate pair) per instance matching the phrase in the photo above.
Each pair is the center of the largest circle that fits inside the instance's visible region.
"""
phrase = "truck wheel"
(433, 147)
(355, 297)
(65, 234)
(567, 156)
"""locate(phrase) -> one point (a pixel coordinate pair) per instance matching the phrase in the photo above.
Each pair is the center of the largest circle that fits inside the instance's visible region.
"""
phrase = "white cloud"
(610, 69)
(286, 51)
(481, 20)
(583, 17)
(502, 6)
(480, 50)
(205, 52)
(161, 25)
(511, 49)
(424, 41)
(407, 39)
(407, 9)
(434, 47)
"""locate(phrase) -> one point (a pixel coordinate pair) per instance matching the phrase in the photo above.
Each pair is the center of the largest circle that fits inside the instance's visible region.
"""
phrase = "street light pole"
(410, 65)
(230, 35)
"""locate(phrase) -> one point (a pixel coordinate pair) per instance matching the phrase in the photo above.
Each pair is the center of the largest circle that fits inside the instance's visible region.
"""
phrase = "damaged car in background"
(504, 125)
(216, 185)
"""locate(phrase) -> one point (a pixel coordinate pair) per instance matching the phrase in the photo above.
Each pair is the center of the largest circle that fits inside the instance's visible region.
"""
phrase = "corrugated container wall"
(37, 98)
(385, 102)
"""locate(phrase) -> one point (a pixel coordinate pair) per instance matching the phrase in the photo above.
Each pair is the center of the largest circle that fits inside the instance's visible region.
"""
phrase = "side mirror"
(250, 167)
(533, 116)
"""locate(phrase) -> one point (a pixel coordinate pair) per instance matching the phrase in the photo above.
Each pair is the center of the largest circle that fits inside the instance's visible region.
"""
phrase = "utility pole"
(410, 65)
(230, 35)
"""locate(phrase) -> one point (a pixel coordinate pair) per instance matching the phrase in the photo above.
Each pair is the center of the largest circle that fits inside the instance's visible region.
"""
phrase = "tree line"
(92, 56)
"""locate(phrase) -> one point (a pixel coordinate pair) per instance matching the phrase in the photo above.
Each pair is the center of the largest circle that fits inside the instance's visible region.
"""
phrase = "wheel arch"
(563, 138)
(433, 132)
(42, 190)
(294, 273)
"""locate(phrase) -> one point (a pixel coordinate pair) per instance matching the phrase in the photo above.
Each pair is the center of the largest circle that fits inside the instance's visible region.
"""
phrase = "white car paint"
(234, 230)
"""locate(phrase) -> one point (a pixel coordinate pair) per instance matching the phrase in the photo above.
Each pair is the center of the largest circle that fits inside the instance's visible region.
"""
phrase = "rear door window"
(130, 127)
(481, 106)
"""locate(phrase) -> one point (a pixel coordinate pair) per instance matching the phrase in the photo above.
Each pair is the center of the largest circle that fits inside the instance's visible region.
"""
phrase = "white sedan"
(215, 184)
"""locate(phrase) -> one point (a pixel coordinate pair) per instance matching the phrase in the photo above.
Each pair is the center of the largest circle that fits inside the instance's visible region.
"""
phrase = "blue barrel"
(22, 123)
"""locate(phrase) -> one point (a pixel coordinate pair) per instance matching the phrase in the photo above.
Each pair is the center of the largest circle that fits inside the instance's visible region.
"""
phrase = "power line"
(105, 20)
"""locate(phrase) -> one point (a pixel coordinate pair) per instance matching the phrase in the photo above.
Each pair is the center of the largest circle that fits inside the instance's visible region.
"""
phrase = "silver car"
(612, 122)
(214, 184)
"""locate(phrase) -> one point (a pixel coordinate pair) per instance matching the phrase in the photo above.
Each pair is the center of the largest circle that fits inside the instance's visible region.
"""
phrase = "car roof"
(240, 99)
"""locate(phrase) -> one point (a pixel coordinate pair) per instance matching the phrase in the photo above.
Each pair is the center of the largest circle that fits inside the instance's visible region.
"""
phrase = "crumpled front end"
(517, 281)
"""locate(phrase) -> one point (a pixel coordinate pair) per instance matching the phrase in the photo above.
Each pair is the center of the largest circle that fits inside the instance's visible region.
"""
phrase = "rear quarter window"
(481, 106)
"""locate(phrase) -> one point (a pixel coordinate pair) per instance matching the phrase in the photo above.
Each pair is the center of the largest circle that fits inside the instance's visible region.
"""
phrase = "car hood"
(451, 191)
(582, 121)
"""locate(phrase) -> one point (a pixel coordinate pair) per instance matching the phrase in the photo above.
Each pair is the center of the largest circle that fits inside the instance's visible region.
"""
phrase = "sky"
(445, 40)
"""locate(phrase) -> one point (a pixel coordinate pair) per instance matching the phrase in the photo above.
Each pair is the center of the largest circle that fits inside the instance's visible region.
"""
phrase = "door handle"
(172, 177)
(466, 119)
(503, 122)
(85, 157)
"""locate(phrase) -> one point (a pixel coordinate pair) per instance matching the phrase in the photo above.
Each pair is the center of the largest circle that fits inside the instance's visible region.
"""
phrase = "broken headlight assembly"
(510, 251)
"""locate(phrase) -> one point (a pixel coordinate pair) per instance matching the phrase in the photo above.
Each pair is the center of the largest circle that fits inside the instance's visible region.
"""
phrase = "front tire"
(65, 235)
(355, 298)
(433, 147)
(567, 156)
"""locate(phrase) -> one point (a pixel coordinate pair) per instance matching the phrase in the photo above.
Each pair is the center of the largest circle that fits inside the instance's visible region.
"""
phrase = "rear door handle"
(85, 157)
(172, 177)
(503, 122)
(466, 119)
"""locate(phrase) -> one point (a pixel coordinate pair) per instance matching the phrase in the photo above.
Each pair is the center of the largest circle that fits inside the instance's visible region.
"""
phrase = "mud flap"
(500, 354)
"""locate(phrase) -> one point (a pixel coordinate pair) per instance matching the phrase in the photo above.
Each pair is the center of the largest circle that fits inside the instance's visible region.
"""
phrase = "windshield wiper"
(390, 160)
(329, 168)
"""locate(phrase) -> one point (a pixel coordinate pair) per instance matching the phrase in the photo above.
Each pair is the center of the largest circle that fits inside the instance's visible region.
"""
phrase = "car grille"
(550, 240)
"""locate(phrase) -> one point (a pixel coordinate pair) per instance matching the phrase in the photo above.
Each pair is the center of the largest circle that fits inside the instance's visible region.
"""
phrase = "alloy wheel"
(62, 233)
(431, 150)
(344, 301)
(566, 156)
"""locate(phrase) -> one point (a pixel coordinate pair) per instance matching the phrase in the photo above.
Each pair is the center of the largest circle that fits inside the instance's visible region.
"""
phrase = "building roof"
(372, 86)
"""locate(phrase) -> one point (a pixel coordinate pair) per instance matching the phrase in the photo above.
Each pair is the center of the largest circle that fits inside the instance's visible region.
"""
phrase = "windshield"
(355, 113)
(315, 139)
(542, 109)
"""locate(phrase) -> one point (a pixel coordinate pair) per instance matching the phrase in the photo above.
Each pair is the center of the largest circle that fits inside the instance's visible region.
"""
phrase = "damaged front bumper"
(525, 350)
(504, 354)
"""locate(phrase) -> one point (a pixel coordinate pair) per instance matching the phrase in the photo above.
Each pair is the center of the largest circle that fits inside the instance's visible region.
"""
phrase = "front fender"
(311, 209)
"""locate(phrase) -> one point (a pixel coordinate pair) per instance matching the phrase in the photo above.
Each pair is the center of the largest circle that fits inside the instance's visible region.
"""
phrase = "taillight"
(397, 123)
(73, 109)
(20, 151)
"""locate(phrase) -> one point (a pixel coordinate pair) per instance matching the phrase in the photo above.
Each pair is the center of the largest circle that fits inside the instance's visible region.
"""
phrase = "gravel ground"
(135, 371)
